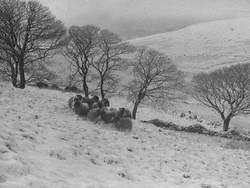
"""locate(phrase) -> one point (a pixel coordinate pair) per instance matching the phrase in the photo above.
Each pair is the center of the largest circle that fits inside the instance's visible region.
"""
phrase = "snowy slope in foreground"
(205, 46)
(44, 145)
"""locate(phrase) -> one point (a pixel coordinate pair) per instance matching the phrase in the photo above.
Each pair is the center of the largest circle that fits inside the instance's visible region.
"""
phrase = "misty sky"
(132, 18)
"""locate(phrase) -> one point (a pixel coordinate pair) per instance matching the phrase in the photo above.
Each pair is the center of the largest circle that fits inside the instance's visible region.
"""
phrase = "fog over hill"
(136, 18)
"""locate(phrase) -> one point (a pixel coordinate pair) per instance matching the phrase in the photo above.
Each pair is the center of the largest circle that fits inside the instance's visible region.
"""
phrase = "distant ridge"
(204, 46)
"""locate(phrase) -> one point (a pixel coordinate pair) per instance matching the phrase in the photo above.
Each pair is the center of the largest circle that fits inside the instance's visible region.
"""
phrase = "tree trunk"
(14, 80)
(14, 74)
(22, 75)
(137, 102)
(85, 86)
(226, 123)
(101, 88)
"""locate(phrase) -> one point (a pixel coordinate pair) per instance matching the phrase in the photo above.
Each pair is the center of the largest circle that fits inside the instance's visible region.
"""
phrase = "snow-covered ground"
(204, 46)
(43, 144)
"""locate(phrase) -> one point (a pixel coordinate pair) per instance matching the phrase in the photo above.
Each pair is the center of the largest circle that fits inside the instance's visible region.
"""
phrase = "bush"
(54, 86)
(197, 128)
(42, 84)
(71, 89)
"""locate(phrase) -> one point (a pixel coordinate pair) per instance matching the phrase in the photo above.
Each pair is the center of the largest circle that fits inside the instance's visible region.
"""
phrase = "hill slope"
(43, 144)
(205, 46)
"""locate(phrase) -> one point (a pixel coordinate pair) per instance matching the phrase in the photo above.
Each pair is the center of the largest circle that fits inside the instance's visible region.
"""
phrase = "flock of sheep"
(99, 110)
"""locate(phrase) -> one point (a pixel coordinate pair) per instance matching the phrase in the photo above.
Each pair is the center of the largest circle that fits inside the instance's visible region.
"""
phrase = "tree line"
(30, 35)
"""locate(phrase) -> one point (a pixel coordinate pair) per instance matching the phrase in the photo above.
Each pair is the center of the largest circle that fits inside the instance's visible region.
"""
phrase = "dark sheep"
(79, 97)
(71, 100)
(80, 108)
(94, 114)
(123, 124)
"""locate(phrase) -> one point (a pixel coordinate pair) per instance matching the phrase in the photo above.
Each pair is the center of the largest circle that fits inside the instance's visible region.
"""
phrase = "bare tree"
(109, 59)
(226, 90)
(28, 34)
(155, 78)
(81, 51)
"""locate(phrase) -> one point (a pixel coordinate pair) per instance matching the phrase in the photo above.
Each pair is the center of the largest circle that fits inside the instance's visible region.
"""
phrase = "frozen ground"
(44, 145)
(205, 46)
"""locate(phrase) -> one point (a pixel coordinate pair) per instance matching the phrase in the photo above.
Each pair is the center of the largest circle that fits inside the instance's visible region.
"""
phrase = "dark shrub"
(197, 128)
(71, 89)
(54, 86)
(42, 84)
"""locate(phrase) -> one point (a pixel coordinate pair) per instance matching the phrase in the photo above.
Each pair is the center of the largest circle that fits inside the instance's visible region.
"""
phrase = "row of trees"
(30, 34)
(88, 48)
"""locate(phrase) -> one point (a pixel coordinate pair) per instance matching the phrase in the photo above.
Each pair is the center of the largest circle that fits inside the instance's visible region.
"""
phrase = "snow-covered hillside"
(205, 46)
(43, 144)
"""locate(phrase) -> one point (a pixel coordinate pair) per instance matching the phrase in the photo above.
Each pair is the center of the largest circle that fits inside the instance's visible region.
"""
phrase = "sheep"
(70, 102)
(94, 114)
(79, 97)
(80, 108)
(97, 105)
(105, 102)
(125, 113)
(107, 115)
(123, 124)
(91, 101)
(114, 110)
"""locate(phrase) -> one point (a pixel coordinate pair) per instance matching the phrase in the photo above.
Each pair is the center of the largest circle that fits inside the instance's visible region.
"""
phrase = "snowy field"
(204, 46)
(43, 144)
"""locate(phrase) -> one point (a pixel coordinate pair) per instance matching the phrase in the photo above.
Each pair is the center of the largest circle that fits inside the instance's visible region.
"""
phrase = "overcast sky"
(133, 18)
